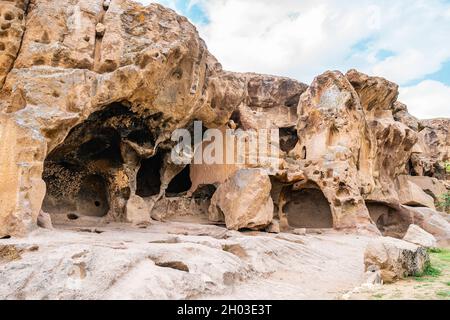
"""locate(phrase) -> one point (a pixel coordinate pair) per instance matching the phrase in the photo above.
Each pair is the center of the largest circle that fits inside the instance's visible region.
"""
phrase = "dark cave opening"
(180, 184)
(76, 173)
(308, 208)
(410, 168)
(389, 220)
(81, 172)
(236, 118)
(104, 145)
(149, 176)
(205, 191)
(288, 138)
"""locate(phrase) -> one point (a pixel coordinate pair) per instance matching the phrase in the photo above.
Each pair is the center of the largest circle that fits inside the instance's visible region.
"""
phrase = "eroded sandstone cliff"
(91, 91)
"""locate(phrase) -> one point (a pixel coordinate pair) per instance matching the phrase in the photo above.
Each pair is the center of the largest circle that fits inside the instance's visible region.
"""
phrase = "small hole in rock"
(5, 237)
(72, 216)
(39, 62)
(178, 73)
(9, 16)
(304, 154)
(97, 203)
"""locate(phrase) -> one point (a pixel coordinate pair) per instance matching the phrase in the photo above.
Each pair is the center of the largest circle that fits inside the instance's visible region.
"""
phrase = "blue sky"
(405, 41)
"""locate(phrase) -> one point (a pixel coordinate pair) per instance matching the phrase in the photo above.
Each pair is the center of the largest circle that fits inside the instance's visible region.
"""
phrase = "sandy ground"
(178, 261)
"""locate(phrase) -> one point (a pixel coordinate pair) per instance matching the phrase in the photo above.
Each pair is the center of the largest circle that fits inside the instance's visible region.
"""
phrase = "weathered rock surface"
(243, 201)
(91, 92)
(412, 195)
(395, 258)
(64, 73)
(388, 143)
(331, 124)
(138, 210)
(44, 220)
(178, 261)
(400, 112)
(433, 149)
(431, 221)
(420, 237)
(431, 186)
(13, 15)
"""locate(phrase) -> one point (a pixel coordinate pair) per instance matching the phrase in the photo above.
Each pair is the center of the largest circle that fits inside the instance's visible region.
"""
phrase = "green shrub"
(429, 271)
(447, 166)
(444, 202)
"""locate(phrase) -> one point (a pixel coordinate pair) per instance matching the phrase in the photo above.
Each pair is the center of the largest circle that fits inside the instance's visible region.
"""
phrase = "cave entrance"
(288, 139)
(149, 176)
(81, 173)
(389, 220)
(180, 184)
(309, 208)
(76, 173)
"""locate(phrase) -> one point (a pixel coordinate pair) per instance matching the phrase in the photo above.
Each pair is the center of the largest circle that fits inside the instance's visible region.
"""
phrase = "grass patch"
(444, 255)
(443, 294)
(378, 296)
(423, 279)
(439, 258)
(429, 271)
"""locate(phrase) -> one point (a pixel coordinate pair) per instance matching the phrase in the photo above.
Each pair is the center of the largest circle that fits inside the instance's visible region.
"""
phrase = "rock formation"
(420, 237)
(92, 90)
(396, 259)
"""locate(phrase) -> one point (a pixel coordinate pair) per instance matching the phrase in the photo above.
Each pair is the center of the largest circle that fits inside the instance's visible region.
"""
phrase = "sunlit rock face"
(91, 92)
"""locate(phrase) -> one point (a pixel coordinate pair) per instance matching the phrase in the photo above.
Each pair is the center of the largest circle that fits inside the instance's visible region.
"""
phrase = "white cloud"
(401, 40)
(303, 38)
(428, 99)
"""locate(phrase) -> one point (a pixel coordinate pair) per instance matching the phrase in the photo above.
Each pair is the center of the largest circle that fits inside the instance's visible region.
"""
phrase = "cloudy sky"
(405, 41)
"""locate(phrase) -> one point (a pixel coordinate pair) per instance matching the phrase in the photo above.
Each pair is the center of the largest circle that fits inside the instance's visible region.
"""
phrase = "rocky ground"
(177, 261)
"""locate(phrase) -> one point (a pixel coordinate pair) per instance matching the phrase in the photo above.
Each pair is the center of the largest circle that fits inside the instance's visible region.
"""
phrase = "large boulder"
(243, 201)
(411, 194)
(432, 186)
(395, 258)
(417, 235)
(431, 221)
(44, 220)
(138, 210)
